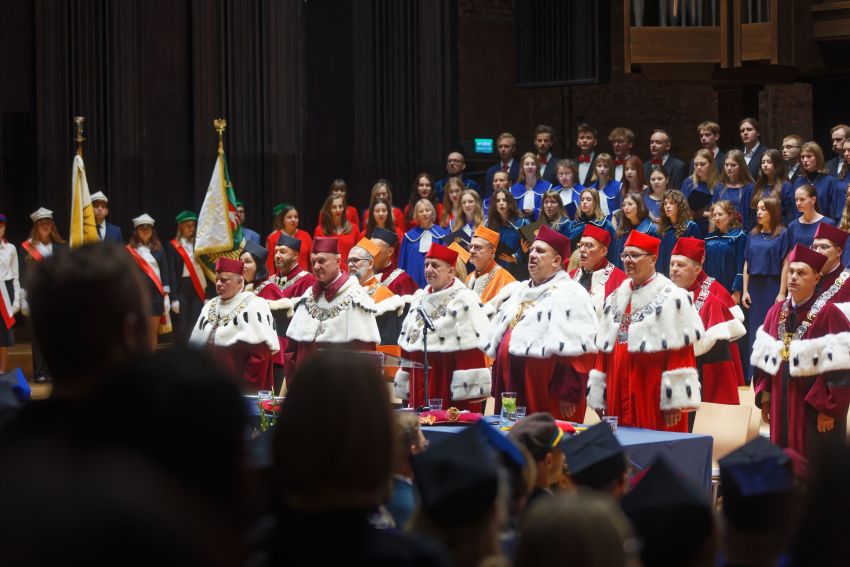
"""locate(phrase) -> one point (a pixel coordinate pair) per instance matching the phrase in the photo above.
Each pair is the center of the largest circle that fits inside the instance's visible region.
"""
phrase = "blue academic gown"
(740, 197)
(510, 238)
(801, 233)
(563, 226)
(440, 185)
(724, 258)
(688, 187)
(769, 192)
(653, 206)
(830, 198)
(609, 198)
(410, 259)
(646, 226)
(513, 175)
(577, 227)
(668, 241)
(518, 190)
(570, 198)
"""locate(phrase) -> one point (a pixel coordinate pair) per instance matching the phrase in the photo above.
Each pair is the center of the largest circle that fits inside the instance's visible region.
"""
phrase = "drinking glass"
(435, 403)
(508, 416)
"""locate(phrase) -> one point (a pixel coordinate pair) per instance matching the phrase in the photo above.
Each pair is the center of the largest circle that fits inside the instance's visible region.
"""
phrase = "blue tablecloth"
(691, 454)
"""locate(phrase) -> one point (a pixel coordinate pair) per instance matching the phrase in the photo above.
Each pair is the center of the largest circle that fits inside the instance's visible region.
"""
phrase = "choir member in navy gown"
(528, 190)
(703, 180)
(471, 217)
(631, 216)
(418, 240)
(568, 187)
(633, 180)
(505, 218)
(771, 182)
(553, 213)
(605, 184)
(724, 248)
(674, 223)
(753, 148)
(590, 212)
(737, 185)
(653, 197)
(845, 226)
(765, 269)
(830, 202)
(802, 230)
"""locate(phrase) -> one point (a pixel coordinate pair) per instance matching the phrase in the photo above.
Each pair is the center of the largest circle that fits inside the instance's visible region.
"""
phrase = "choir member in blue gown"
(500, 181)
(590, 212)
(705, 180)
(737, 185)
(504, 217)
(631, 216)
(674, 223)
(569, 188)
(633, 180)
(553, 213)
(813, 172)
(418, 240)
(765, 270)
(772, 182)
(528, 190)
(802, 230)
(470, 218)
(605, 184)
(653, 197)
(724, 248)
(845, 226)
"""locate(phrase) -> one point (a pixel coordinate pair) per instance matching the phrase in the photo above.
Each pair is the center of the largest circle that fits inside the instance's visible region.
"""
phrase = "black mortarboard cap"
(500, 443)
(670, 515)
(758, 485)
(538, 433)
(387, 236)
(458, 478)
(595, 458)
(256, 251)
(698, 200)
(289, 241)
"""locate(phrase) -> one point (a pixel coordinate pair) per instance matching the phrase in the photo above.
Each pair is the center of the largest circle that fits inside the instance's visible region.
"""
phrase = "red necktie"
(657, 162)
(584, 159)
(505, 167)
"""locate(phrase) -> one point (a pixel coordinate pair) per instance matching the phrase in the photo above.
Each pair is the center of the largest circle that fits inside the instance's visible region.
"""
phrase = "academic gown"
(577, 228)
(303, 253)
(769, 192)
(646, 226)
(535, 196)
(411, 257)
(603, 280)
(489, 283)
(570, 197)
(397, 280)
(815, 378)
(740, 197)
(688, 187)
(668, 242)
(724, 258)
(609, 197)
(739, 352)
(346, 242)
(804, 233)
(510, 238)
(292, 285)
(830, 199)
(653, 206)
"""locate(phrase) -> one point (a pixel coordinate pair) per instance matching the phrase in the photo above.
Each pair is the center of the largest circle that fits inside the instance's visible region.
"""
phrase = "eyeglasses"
(817, 247)
(355, 260)
(632, 256)
(582, 245)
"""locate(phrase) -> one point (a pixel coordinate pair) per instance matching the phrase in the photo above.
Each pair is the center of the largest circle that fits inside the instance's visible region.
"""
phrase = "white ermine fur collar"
(349, 316)
(244, 318)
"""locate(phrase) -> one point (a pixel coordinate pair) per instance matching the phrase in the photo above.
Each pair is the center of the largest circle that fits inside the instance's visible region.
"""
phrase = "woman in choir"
(568, 187)
(336, 225)
(379, 217)
(451, 199)
(830, 199)
(771, 182)
(553, 213)
(765, 269)
(423, 188)
(674, 223)
(338, 188)
(382, 190)
(703, 180)
(802, 230)
(529, 188)
(10, 280)
(736, 185)
(146, 250)
(286, 221)
(505, 218)
(724, 248)
(632, 215)
(418, 240)
(471, 217)
(605, 184)
(590, 212)
(845, 226)
(653, 197)
(633, 180)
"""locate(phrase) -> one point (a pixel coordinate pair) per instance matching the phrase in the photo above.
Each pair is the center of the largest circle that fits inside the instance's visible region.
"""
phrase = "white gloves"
(175, 307)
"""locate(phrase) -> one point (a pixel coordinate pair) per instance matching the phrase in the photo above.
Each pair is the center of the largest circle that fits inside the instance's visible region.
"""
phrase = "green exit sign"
(483, 145)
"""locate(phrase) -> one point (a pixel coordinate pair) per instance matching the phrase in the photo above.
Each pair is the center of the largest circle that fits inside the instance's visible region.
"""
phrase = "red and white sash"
(146, 268)
(190, 267)
(6, 306)
(32, 251)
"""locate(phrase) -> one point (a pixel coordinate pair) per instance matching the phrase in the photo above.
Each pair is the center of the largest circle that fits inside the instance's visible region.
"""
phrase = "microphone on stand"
(426, 319)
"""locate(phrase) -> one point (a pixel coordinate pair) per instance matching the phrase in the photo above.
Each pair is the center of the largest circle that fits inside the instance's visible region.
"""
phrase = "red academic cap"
(443, 253)
(693, 248)
(643, 241)
(598, 234)
(807, 256)
(831, 233)
(556, 240)
(229, 265)
(325, 244)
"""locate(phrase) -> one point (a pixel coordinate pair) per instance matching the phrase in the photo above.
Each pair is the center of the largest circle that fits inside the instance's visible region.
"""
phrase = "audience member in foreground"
(333, 453)
(596, 461)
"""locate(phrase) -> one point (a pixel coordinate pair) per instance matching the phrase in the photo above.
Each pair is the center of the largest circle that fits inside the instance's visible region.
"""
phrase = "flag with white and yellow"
(83, 226)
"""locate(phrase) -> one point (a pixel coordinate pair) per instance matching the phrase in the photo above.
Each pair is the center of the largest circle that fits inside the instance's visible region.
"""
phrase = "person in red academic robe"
(835, 278)
(239, 328)
(458, 370)
(335, 312)
(542, 334)
(595, 273)
(386, 270)
(645, 373)
(719, 365)
(802, 363)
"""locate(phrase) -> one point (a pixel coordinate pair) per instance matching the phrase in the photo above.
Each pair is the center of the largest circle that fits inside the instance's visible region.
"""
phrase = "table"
(689, 453)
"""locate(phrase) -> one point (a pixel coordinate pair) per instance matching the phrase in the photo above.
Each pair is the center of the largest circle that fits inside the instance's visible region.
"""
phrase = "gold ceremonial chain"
(323, 313)
(480, 284)
(438, 312)
(289, 283)
(523, 307)
(217, 320)
(819, 304)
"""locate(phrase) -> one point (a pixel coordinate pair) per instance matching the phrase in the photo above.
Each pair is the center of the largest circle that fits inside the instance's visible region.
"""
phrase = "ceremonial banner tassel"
(83, 225)
(218, 234)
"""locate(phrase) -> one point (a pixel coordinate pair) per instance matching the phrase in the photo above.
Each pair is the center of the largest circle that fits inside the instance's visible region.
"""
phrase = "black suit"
(755, 162)
(796, 174)
(550, 172)
(184, 291)
(513, 175)
(832, 166)
(675, 168)
(587, 178)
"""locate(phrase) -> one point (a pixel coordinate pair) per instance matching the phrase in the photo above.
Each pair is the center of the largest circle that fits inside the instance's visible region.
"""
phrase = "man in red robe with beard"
(835, 278)
(802, 377)
(595, 273)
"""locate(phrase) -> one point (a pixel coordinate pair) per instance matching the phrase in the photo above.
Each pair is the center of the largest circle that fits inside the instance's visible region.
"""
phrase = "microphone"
(426, 319)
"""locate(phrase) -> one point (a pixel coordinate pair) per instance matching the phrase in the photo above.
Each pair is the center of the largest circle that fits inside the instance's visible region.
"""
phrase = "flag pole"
(220, 125)
(78, 126)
